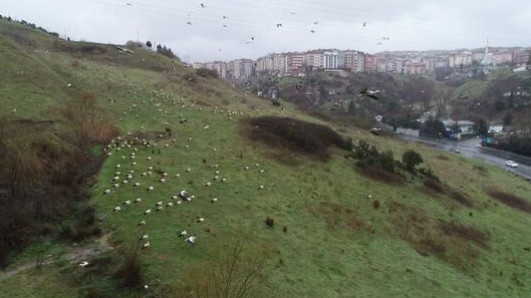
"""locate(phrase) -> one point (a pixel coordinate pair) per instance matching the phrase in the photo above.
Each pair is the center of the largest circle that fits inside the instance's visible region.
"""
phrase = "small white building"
(495, 129)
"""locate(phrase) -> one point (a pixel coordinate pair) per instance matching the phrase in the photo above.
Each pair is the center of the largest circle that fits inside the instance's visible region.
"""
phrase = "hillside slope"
(337, 232)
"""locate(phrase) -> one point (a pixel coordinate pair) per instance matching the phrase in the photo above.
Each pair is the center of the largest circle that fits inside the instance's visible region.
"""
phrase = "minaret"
(486, 58)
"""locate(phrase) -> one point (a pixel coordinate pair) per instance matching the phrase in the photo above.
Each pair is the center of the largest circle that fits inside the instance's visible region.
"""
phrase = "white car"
(511, 164)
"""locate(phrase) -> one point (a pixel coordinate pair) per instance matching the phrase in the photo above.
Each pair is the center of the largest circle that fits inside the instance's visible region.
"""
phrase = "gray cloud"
(411, 24)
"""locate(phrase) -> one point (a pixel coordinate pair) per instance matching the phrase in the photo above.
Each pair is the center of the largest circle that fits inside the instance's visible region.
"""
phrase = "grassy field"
(330, 239)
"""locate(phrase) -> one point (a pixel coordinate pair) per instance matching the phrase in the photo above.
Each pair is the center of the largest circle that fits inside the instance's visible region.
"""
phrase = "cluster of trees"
(481, 127)
(162, 49)
(31, 25)
(510, 92)
(432, 128)
(520, 144)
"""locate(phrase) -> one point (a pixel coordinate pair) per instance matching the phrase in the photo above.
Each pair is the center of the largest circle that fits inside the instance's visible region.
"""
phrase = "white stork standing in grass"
(183, 233)
(191, 240)
(83, 264)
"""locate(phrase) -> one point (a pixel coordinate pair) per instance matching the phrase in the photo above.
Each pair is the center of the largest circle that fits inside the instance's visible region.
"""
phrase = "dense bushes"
(369, 156)
(295, 135)
(43, 170)
(207, 73)
(411, 159)
(382, 165)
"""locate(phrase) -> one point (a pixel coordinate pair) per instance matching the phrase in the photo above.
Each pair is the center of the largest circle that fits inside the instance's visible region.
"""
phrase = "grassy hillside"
(337, 232)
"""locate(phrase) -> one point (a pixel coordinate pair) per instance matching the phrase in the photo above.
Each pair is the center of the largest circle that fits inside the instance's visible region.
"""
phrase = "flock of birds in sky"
(278, 25)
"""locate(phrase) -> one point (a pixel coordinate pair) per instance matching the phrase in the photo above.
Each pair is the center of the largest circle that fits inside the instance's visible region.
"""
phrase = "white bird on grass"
(191, 240)
(83, 264)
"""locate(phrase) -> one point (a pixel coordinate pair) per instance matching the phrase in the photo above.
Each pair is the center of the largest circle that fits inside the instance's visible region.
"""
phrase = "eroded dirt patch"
(461, 199)
(381, 175)
(510, 200)
(336, 215)
(452, 242)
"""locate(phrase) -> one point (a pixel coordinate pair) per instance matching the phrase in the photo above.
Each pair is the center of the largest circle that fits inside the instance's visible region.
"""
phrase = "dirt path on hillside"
(76, 254)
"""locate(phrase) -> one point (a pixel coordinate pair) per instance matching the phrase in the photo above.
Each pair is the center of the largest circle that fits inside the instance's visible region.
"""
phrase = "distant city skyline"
(224, 30)
(409, 62)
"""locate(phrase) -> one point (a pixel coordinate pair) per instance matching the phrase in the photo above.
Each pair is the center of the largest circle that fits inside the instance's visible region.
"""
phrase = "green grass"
(323, 253)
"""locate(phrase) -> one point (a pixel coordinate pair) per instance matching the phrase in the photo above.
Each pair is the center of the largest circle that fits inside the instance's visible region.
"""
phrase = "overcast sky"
(410, 24)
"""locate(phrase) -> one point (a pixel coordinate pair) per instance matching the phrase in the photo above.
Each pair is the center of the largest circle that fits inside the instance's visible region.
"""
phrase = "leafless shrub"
(130, 273)
(239, 271)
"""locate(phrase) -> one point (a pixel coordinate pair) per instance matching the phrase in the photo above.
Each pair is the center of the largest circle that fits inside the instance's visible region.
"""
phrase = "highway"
(472, 148)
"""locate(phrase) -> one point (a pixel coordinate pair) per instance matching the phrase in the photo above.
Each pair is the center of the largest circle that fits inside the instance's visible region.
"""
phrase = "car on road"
(511, 164)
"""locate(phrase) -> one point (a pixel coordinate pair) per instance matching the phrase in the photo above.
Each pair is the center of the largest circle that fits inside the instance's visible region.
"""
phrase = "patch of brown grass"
(461, 199)
(382, 175)
(442, 157)
(510, 200)
(449, 241)
(336, 215)
(465, 233)
(292, 135)
(434, 185)
(90, 124)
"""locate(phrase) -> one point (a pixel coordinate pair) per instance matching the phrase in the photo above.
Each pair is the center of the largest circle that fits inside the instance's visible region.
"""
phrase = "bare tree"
(236, 274)
(441, 99)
